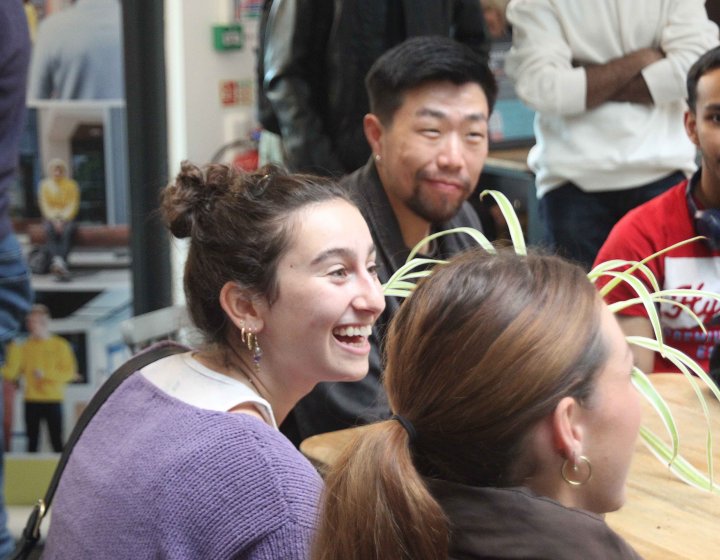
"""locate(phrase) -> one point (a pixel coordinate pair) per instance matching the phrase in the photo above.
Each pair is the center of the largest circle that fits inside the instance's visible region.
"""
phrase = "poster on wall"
(70, 200)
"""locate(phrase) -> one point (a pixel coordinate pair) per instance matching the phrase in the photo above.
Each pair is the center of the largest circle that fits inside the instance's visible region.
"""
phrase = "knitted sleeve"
(292, 541)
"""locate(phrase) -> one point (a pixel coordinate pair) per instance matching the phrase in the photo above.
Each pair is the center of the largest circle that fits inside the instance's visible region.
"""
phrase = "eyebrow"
(427, 112)
(338, 252)
(712, 107)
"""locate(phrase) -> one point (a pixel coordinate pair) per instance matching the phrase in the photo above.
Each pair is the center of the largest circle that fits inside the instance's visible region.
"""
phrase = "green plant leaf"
(601, 268)
(508, 212)
(678, 465)
(478, 236)
(646, 300)
(634, 266)
(402, 273)
(647, 389)
(686, 364)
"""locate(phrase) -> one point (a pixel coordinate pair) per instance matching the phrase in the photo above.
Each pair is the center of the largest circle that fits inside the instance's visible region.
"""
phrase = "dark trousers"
(576, 223)
(51, 412)
(59, 244)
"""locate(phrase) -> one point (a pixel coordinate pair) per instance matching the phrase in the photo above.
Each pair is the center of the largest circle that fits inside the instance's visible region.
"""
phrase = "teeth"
(353, 331)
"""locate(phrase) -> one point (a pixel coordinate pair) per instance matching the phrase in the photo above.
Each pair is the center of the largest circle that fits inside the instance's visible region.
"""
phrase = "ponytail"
(377, 506)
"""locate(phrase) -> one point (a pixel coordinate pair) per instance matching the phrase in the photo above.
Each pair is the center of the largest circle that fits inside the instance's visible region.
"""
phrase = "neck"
(234, 363)
(413, 228)
(708, 189)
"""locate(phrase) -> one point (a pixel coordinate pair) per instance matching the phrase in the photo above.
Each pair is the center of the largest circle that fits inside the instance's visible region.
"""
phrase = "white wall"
(198, 124)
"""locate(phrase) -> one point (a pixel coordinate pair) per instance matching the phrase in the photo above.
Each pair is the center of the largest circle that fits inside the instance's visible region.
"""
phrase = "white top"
(616, 145)
(181, 376)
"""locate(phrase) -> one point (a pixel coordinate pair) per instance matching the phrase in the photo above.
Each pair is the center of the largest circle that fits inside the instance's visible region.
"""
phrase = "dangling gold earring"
(252, 344)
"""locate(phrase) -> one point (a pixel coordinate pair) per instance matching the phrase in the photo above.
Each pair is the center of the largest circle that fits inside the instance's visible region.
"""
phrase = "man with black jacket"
(314, 55)
(430, 100)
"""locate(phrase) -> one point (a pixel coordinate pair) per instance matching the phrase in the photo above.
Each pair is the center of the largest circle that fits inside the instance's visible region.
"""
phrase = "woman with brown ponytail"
(184, 461)
(515, 422)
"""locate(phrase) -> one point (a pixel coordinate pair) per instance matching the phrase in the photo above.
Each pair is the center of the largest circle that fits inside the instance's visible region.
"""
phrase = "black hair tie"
(409, 428)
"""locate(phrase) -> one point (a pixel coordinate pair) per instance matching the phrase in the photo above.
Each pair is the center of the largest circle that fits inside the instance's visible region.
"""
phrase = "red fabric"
(653, 226)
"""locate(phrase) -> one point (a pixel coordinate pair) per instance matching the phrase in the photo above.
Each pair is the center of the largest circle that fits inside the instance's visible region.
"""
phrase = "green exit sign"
(228, 37)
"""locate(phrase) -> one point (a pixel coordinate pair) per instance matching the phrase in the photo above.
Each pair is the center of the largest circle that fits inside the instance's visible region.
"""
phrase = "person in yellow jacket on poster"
(46, 363)
(59, 200)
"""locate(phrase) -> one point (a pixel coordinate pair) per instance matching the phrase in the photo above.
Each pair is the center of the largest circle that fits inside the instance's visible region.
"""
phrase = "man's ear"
(374, 131)
(567, 428)
(691, 127)
(242, 308)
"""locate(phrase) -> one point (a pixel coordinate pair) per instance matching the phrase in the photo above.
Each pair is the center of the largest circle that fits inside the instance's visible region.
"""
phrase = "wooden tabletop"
(663, 519)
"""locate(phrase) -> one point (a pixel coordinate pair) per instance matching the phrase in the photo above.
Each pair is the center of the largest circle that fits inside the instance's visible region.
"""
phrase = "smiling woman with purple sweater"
(184, 460)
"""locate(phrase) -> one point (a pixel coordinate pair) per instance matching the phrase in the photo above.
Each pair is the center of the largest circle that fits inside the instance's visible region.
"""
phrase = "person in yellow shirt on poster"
(59, 200)
(32, 18)
(46, 363)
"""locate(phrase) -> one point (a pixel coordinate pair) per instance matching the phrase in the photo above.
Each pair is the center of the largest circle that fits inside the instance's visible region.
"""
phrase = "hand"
(649, 55)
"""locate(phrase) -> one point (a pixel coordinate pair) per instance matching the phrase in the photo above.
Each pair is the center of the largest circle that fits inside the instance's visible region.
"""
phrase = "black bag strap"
(31, 533)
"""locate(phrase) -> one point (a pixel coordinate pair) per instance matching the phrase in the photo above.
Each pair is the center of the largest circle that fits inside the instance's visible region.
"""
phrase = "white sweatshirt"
(615, 145)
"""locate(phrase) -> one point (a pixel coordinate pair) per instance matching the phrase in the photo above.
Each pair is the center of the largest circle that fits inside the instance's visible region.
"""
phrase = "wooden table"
(664, 519)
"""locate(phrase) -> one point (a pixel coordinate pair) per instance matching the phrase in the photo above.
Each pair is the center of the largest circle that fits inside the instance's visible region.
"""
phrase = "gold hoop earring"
(575, 468)
(243, 335)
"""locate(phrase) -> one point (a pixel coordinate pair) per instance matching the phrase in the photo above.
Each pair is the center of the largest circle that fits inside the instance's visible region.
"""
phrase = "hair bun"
(190, 197)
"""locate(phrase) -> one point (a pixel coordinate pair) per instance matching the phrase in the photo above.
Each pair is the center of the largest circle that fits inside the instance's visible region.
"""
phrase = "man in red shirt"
(690, 208)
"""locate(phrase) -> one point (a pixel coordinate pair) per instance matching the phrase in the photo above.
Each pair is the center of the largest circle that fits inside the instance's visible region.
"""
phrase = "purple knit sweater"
(153, 477)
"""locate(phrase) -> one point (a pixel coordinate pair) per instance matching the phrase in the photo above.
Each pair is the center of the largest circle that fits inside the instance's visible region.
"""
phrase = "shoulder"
(358, 182)
(266, 486)
(671, 207)
(235, 454)
(652, 226)
(69, 183)
(663, 203)
(221, 479)
(367, 191)
(485, 520)
(60, 342)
